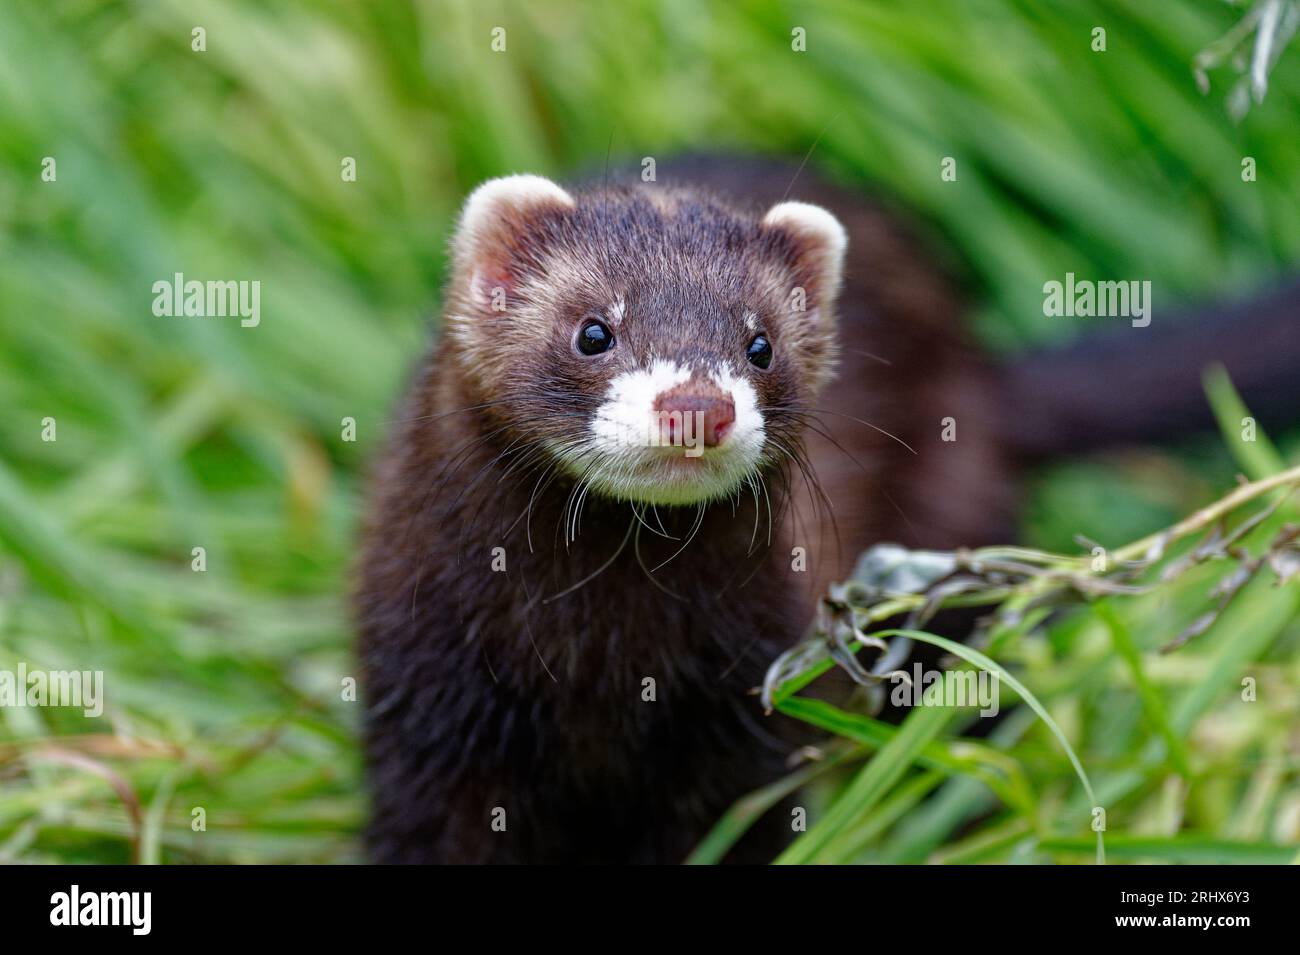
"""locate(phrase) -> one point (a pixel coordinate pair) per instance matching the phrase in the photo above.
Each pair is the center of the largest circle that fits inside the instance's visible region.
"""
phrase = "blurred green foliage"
(224, 688)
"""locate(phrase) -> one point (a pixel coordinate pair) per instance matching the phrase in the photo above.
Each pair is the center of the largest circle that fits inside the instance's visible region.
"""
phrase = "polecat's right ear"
(495, 238)
(815, 251)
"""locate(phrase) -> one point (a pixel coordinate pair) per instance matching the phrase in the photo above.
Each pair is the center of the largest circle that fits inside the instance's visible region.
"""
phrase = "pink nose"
(700, 409)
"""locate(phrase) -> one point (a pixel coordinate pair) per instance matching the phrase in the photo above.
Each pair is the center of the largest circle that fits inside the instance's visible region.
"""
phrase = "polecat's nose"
(700, 409)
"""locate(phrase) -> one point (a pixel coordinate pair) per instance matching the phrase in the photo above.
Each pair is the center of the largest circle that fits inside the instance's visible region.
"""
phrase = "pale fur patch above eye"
(751, 321)
(615, 313)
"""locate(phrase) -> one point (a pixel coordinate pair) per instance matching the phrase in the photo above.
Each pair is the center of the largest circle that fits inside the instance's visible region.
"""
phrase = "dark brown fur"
(523, 690)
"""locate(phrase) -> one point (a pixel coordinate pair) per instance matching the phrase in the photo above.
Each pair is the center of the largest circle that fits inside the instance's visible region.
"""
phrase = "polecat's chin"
(670, 476)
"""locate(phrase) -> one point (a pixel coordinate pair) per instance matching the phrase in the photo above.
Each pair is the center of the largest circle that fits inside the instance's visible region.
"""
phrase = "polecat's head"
(659, 346)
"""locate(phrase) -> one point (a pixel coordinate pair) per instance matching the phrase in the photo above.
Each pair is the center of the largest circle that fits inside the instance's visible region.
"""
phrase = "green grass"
(225, 687)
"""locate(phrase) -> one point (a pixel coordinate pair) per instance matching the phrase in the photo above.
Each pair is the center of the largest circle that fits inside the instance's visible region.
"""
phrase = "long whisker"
(823, 508)
(562, 524)
(636, 548)
(598, 571)
(695, 528)
(444, 414)
(528, 628)
(661, 530)
(816, 142)
(519, 444)
(751, 480)
(807, 416)
(887, 434)
(446, 473)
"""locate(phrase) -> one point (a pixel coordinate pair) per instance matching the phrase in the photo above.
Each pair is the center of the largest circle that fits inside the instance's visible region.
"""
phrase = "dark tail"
(1143, 385)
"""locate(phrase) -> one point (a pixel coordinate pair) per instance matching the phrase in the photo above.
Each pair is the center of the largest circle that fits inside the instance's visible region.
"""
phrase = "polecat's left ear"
(815, 247)
(496, 237)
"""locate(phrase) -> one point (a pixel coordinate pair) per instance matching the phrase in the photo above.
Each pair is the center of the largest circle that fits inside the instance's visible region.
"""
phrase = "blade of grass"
(1179, 849)
(869, 787)
(746, 811)
(1152, 704)
(963, 757)
(974, 657)
(1258, 457)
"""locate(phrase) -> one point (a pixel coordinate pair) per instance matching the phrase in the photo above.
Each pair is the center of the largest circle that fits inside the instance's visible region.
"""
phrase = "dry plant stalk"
(891, 581)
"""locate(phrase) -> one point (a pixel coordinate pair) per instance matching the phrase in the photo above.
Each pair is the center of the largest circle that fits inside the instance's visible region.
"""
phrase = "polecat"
(659, 420)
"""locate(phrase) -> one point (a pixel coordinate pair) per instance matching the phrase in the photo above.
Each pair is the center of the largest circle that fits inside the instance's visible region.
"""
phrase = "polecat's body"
(524, 689)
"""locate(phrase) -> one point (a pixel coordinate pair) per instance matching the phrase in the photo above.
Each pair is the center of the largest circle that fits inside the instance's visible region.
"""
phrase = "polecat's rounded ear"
(816, 247)
(496, 230)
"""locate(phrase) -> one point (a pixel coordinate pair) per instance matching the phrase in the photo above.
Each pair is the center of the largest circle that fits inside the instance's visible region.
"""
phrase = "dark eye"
(759, 352)
(594, 337)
